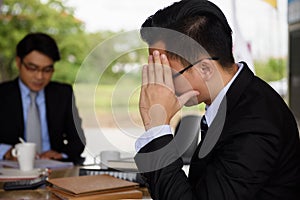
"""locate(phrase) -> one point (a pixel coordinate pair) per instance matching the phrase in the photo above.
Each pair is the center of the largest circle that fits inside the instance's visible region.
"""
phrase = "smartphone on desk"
(25, 184)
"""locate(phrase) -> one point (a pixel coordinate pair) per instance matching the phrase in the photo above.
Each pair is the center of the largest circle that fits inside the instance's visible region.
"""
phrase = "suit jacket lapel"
(238, 87)
(16, 98)
(50, 110)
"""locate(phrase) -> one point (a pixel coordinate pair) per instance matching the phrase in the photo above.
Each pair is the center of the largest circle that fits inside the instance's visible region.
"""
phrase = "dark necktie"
(204, 127)
(33, 125)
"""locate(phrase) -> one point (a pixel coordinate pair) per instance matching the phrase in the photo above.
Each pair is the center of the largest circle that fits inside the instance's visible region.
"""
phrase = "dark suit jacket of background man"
(60, 118)
(258, 151)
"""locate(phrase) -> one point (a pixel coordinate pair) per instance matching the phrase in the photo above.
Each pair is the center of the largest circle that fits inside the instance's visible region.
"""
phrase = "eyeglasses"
(191, 65)
(33, 68)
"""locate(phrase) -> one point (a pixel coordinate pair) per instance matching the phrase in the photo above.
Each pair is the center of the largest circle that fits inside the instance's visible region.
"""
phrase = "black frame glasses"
(191, 65)
(34, 69)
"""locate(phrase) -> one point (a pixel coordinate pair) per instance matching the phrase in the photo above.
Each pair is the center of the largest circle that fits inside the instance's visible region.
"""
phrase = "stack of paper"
(94, 187)
(16, 174)
(126, 164)
(41, 163)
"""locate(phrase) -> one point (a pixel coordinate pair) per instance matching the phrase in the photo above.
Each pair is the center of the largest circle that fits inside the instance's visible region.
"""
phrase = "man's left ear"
(206, 69)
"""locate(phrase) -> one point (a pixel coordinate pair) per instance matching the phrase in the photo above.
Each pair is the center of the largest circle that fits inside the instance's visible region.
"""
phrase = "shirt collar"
(211, 110)
(25, 91)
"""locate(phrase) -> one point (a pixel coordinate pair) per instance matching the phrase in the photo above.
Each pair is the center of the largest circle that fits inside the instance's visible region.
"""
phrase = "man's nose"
(39, 74)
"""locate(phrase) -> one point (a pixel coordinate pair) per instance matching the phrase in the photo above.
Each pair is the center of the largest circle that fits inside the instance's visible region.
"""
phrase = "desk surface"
(43, 193)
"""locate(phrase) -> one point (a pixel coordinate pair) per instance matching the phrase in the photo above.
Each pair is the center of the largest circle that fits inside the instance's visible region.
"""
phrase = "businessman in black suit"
(62, 137)
(250, 146)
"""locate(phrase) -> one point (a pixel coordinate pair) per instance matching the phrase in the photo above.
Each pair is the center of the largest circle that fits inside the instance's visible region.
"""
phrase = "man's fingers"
(158, 68)
(187, 96)
(167, 72)
(145, 75)
(150, 73)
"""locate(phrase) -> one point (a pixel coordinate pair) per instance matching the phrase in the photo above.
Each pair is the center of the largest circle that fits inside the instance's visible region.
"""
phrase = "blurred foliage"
(271, 70)
(81, 49)
(20, 17)
(111, 57)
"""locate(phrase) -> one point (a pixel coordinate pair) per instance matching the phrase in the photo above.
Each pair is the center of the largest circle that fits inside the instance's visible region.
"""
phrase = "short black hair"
(40, 42)
(200, 20)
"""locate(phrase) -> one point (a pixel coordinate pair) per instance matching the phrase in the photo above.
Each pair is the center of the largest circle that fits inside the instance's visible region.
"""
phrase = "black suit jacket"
(64, 124)
(256, 156)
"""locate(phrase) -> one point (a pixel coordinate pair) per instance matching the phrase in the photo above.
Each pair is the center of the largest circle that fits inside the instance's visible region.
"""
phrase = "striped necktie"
(204, 127)
(33, 125)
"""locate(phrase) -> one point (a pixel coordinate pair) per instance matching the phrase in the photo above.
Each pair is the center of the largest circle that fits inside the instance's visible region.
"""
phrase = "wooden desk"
(43, 193)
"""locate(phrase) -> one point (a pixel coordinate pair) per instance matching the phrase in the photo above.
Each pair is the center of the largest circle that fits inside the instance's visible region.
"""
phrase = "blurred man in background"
(37, 109)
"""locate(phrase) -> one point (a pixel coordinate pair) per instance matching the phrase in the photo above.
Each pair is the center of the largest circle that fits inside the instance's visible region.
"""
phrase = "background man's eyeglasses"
(191, 65)
(35, 69)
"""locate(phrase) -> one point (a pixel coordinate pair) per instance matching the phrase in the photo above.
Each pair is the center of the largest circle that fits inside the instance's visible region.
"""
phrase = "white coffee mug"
(108, 155)
(25, 153)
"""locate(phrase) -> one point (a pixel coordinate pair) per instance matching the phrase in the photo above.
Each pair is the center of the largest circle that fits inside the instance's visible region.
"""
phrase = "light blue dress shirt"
(210, 114)
(41, 103)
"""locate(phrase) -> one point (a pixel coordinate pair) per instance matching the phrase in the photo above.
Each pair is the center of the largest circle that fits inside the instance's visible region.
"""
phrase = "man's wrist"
(4, 150)
(151, 134)
(8, 155)
(157, 116)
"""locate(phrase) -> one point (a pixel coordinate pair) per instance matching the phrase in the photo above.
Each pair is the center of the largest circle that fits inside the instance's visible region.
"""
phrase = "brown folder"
(126, 194)
(94, 187)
